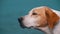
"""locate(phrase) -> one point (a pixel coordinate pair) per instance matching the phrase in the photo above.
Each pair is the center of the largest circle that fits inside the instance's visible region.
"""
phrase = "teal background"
(10, 10)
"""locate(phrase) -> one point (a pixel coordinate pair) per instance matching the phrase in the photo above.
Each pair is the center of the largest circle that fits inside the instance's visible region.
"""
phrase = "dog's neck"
(47, 30)
(57, 28)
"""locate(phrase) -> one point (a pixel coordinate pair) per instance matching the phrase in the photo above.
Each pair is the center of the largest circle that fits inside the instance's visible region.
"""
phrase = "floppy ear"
(52, 18)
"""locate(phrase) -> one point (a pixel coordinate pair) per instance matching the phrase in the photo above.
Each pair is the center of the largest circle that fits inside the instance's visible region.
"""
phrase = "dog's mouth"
(22, 26)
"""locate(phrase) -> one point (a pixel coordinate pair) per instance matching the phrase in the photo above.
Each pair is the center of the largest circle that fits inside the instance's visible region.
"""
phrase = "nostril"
(21, 18)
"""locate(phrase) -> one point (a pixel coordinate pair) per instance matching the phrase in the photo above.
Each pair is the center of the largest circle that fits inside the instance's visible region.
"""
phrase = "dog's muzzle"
(20, 21)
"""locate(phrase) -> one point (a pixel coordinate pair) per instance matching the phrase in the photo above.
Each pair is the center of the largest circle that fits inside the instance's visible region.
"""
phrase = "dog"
(42, 18)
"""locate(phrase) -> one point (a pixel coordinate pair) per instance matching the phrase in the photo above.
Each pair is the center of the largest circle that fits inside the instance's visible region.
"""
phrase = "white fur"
(45, 29)
(57, 28)
(30, 21)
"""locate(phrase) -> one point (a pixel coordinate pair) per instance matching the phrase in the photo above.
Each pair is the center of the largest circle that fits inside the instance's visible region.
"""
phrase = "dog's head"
(39, 17)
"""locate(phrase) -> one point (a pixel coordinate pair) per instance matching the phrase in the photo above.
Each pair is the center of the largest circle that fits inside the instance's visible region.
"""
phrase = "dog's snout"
(20, 19)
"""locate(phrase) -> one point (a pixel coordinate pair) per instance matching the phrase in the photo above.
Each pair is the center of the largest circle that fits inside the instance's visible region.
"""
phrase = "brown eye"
(34, 13)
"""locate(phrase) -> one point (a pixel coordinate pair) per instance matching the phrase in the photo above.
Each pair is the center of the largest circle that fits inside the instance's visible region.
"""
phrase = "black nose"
(20, 19)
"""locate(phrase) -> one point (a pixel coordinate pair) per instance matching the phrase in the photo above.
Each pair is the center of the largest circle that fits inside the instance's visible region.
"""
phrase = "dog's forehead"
(38, 10)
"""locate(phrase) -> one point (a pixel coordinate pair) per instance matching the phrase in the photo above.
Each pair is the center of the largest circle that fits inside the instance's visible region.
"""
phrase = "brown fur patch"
(48, 17)
(52, 18)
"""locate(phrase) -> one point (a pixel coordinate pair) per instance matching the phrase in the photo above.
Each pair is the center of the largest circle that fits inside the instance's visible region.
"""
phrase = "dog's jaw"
(45, 29)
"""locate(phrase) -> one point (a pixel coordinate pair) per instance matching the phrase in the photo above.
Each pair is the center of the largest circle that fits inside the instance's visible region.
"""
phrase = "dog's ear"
(52, 17)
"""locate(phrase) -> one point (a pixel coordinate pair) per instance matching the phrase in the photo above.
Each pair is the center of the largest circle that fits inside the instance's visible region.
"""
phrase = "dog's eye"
(34, 14)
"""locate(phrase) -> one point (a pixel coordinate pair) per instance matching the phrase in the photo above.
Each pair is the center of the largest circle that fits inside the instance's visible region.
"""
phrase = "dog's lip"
(26, 27)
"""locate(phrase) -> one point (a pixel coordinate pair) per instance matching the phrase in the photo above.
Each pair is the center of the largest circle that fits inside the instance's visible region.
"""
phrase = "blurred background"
(10, 10)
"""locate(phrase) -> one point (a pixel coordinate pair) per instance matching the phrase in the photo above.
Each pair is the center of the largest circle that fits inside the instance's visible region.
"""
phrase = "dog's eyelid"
(34, 13)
